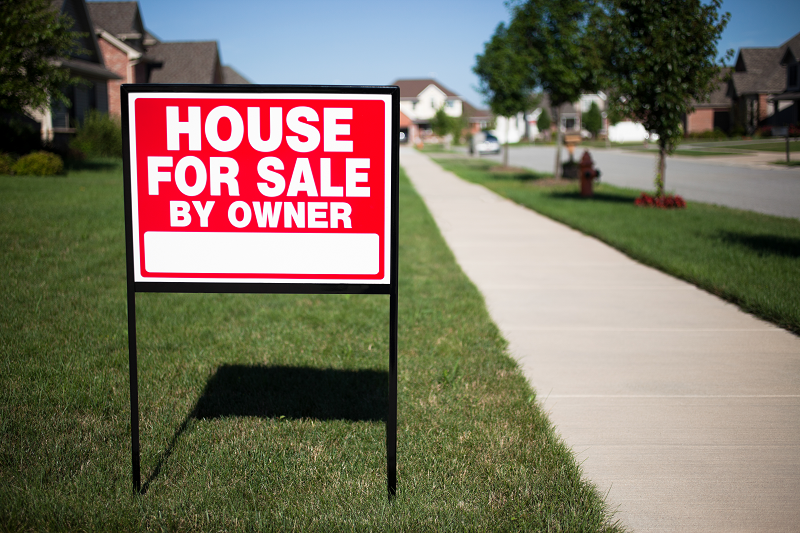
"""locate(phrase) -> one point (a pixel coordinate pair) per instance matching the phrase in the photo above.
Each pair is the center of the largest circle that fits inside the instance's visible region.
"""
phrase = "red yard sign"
(265, 189)
(260, 187)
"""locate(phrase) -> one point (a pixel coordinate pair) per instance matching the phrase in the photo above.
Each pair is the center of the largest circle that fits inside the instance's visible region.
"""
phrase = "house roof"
(759, 70)
(474, 113)
(410, 88)
(82, 23)
(185, 62)
(231, 77)
(793, 44)
(120, 19)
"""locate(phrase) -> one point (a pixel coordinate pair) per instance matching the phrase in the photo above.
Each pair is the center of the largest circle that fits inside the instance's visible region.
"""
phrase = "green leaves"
(558, 40)
(662, 55)
(32, 36)
(502, 71)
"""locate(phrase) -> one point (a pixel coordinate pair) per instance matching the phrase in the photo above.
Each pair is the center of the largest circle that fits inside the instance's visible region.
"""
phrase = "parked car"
(484, 142)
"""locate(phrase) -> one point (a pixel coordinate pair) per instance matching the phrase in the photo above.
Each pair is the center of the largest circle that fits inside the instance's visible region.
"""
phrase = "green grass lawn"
(433, 148)
(653, 148)
(748, 258)
(258, 412)
(794, 146)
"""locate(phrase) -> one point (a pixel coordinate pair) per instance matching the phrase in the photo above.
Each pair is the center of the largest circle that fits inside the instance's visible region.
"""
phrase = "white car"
(484, 142)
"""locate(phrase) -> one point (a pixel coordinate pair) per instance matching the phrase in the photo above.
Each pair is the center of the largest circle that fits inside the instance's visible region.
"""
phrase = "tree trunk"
(559, 136)
(662, 169)
(505, 152)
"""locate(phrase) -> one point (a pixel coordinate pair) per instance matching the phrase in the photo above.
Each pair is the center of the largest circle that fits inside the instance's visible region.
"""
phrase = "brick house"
(137, 56)
(714, 113)
(58, 121)
(123, 40)
(759, 77)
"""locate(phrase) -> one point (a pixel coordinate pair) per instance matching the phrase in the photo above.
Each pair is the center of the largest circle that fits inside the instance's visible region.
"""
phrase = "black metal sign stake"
(390, 289)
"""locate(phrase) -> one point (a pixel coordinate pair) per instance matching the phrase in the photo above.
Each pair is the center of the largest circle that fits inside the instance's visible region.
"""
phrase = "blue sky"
(374, 42)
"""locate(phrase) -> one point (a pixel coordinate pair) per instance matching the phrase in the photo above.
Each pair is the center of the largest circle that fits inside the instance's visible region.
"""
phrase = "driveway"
(740, 181)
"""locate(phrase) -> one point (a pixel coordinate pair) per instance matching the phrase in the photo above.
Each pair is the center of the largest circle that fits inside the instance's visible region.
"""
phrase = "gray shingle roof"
(185, 62)
(120, 19)
(758, 70)
(411, 88)
(471, 111)
(230, 76)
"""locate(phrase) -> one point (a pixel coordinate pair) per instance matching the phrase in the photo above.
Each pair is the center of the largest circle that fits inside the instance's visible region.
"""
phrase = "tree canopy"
(558, 41)
(503, 77)
(662, 56)
(33, 35)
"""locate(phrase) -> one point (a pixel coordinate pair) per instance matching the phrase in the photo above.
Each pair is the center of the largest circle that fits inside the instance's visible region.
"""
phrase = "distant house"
(788, 102)
(137, 56)
(759, 86)
(420, 98)
(58, 122)
(479, 119)
(571, 120)
(409, 132)
(185, 62)
(123, 42)
(713, 113)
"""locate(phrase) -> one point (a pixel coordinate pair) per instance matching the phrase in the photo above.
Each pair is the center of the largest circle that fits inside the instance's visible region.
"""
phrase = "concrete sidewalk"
(679, 405)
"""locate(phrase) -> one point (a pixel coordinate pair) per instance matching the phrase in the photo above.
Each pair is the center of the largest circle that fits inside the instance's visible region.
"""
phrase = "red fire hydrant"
(587, 174)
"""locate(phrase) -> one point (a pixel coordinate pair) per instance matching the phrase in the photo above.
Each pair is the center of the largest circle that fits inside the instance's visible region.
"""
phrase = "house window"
(450, 104)
(792, 75)
(569, 123)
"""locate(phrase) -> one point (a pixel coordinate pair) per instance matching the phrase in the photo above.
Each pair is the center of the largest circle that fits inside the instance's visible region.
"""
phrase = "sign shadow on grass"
(285, 392)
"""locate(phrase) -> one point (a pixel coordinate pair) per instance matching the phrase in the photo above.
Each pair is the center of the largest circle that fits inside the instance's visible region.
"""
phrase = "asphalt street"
(743, 182)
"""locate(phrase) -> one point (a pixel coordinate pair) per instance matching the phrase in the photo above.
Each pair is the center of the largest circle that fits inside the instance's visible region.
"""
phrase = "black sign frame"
(390, 289)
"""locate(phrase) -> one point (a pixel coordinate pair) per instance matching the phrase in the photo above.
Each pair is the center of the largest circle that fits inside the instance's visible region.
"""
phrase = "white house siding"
(516, 128)
(429, 101)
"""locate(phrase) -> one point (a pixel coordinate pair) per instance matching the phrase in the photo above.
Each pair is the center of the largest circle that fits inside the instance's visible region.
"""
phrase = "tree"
(440, 123)
(501, 71)
(33, 35)
(593, 120)
(544, 122)
(558, 41)
(662, 56)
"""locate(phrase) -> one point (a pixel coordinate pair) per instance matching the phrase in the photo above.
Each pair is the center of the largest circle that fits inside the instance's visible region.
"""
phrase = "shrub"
(6, 163)
(99, 135)
(543, 122)
(39, 164)
(716, 134)
(593, 120)
(763, 131)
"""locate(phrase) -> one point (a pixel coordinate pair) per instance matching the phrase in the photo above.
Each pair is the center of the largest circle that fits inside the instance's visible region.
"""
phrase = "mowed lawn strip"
(258, 412)
(750, 259)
